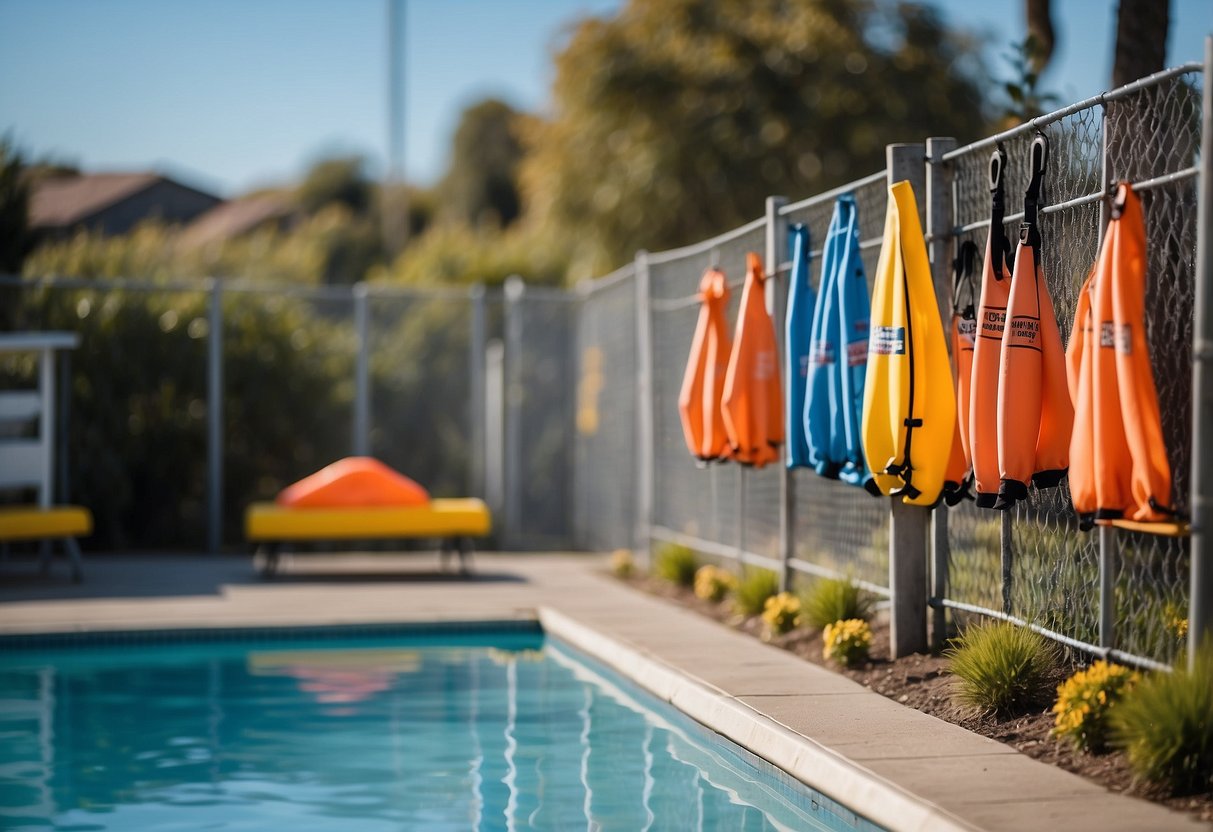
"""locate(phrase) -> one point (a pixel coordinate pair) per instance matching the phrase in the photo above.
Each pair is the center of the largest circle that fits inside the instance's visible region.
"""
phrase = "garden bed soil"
(921, 681)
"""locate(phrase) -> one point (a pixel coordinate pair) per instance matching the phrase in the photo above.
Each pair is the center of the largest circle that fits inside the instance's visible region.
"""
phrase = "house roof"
(65, 200)
(231, 219)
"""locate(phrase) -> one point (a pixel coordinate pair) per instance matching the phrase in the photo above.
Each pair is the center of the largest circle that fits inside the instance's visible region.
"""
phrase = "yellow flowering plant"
(847, 641)
(622, 563)
(781, 613)
(1084, 701)
(713, 583)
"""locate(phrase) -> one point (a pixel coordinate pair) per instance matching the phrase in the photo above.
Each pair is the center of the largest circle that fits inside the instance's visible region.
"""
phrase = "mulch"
(922, 681)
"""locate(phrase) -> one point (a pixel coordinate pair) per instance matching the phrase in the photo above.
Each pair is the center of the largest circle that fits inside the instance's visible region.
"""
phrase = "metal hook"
(1118, 195)
(998, 164)
(1039, 154)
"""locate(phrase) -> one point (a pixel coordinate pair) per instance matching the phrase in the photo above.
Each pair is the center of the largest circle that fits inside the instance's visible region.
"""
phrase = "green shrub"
(713, 583)
(846, 642)
(781, 613)
(756, 587)
(1165, 727)
(1002, 668)
(676, 563)
(1085, 700)
(834, 599)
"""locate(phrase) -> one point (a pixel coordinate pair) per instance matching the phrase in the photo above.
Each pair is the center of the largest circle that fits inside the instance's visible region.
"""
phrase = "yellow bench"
(34, 523)
(454, 521)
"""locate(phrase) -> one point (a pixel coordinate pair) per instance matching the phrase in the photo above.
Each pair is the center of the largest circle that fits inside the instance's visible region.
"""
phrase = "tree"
(340, 180)
(676, 118)
(481, 186)
(14, 209)
(1141, 39)
(1141, 36)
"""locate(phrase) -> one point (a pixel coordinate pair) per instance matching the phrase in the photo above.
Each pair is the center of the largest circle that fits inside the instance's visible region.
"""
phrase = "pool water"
(478, 730)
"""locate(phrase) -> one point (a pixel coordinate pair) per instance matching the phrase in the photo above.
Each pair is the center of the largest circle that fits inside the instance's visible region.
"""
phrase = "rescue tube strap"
(1038, 161)
(1000, 247)
(964, 269)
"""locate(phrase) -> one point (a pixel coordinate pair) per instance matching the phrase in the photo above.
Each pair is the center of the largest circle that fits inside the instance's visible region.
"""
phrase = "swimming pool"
(365, 730)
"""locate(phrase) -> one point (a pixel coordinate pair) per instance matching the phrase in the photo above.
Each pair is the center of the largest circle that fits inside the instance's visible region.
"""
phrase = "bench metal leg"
(73, 555)
(268, 553)
(465, 555)
(44, 557)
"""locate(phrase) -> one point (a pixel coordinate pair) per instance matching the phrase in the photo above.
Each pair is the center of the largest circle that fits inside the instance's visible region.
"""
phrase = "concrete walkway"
(901, 768)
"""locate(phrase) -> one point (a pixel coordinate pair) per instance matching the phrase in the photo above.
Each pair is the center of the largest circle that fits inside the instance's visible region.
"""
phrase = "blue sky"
(231, 94)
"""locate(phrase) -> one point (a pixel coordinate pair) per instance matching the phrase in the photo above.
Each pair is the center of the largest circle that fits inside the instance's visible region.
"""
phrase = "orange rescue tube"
(1035, 415)
(356, 481)
(1080, 369)
(987, 345)
(1019, 388)
(752, 401)
(699, 398)
(1151, 480)
(964, 328)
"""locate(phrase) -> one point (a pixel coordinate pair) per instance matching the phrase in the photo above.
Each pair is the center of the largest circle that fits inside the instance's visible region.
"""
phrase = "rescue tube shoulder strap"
(1029, 233)
(964, 270)
(1001, 253)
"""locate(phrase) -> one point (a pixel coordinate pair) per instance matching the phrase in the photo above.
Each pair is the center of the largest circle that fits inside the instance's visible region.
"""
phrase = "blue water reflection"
(439, 734)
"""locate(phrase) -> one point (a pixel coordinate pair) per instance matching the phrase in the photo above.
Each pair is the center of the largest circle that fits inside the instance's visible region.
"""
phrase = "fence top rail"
(374, 290)
(607, 281)
(1057, 115)
(825, 196)
(706, 245)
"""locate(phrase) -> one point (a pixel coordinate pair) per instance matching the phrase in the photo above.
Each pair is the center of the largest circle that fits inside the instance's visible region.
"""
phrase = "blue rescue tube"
(802, 301)
(822, 383)
(854, 308)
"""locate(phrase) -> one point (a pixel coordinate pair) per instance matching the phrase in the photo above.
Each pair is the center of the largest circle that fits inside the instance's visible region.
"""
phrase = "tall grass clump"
(1001, 668)
(834, 599)
(676, 563)
(750, 596)
(1165, 727)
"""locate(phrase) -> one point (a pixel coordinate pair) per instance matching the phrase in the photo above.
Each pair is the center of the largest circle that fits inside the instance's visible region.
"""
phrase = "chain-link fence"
(840, 529)
(561, 407)
(1112, 589)
(605, 421)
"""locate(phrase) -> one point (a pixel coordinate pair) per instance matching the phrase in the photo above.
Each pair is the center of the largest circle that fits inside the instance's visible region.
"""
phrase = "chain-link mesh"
(604, 466)
(688, 499)
(423, 387)
(136, 410)
(1054, 571)
(540, 380)
(839, 527)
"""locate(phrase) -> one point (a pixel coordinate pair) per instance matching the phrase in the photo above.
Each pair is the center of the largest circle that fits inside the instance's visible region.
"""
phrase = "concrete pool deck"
(901, 768)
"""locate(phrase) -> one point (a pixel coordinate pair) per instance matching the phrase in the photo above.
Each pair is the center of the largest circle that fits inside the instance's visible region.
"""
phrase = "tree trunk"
(1141, 39)
(1040, 27)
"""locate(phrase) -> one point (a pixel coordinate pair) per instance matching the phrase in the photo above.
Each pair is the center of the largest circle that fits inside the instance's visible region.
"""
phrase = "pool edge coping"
(817, 766)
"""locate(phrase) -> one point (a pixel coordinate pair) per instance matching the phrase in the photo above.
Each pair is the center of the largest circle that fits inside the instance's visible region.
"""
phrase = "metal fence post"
(908, 524)
(1200, 602)
(476, 380)
(515, 290)
(776, 250)
(361, 441)
(62, 483)
(1107, 535)
(940, 220)
(214, 419)
(644, 407)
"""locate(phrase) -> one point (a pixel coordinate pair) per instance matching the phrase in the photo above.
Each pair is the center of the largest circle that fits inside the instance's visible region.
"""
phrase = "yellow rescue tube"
(909, 407)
